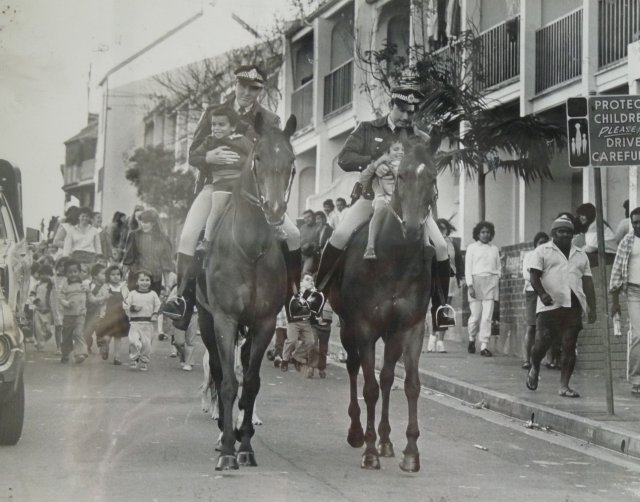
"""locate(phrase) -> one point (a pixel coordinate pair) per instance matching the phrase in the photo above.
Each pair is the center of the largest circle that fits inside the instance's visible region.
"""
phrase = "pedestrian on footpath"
(482, 275)
(624, 227)
(113, 323)
(625, 278)
(561, 275)
(73, 298)
(531, 300)
(142, 306)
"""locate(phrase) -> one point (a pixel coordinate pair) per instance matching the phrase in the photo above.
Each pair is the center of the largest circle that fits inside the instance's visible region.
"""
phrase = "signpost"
(603, 131)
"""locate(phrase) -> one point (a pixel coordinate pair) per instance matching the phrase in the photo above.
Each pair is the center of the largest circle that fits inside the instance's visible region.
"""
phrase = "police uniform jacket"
(366, 142)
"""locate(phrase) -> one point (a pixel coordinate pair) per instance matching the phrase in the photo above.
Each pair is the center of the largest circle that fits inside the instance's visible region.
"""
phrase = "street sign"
(603, 131)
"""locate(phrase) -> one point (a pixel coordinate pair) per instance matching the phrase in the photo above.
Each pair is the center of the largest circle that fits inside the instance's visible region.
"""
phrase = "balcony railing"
(618, 26)
(338, 88)
(498, 54)
(302, 104)
(448, 60)
(559, 51)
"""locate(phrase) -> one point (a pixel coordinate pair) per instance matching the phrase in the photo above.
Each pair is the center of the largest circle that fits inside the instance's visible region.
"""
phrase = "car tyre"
(12, 416)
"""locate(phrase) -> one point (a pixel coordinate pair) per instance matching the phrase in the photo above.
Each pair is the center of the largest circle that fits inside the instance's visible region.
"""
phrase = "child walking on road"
(113, 323)
(142, 306)
(73, 298)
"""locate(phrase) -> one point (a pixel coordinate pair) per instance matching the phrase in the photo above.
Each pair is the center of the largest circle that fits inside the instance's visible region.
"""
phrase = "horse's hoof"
(246, 459)
(370, 461)
(410, 463)
(355, 438)
(386, 449)
(226, 463)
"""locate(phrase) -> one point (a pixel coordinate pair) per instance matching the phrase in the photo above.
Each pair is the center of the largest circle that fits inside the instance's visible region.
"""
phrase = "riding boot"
(439, 294)
(180, 309)
(328, 262)
(296, 307)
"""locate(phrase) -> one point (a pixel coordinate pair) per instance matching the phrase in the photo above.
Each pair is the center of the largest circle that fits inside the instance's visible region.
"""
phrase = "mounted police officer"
(364, 146)
(250, 81)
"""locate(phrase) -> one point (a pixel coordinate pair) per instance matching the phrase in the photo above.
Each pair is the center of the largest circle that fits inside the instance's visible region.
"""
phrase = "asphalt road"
(103, 432)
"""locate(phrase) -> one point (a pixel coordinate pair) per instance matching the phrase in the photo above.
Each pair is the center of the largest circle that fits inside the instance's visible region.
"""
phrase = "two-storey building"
(532, 54)
(78, 169)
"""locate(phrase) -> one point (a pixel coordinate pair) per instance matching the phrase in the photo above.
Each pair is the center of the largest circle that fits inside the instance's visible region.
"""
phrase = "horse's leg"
(205, 320)
(371, 392)
(413, 338)
(259, 338)
(355, 436)
(392, 352)
(225, 328)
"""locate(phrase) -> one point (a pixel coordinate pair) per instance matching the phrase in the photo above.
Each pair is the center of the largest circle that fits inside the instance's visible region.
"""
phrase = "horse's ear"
(258, 124)
(290, 127)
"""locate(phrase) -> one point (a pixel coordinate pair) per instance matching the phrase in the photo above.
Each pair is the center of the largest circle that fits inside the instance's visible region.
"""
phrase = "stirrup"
(445, 317)
(175, 308)
(298, 309)
(315, 300)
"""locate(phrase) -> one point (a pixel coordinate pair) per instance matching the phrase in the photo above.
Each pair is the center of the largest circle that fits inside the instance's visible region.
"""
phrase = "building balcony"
(338, 88)
(618, 26)
(79, 174)
(302, 104)
(559, 51)
(498, 57)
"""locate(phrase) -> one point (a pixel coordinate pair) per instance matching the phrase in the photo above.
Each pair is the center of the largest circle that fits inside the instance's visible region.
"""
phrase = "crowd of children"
(75, 304)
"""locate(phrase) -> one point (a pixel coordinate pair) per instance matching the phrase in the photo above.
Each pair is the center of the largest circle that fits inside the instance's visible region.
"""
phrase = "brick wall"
(590, 346)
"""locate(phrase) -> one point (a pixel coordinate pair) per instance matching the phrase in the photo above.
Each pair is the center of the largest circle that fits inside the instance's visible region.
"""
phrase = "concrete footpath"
(498, 383)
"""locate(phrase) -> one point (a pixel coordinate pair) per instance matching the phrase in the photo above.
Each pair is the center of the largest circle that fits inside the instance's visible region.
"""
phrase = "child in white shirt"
(142, 306)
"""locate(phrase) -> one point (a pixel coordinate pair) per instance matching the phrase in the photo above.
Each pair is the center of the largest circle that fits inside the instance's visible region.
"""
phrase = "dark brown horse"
(245, 284)
(388, 298)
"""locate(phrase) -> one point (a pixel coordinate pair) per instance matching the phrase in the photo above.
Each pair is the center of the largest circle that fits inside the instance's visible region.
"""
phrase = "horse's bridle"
(258, 199)
(399, 219)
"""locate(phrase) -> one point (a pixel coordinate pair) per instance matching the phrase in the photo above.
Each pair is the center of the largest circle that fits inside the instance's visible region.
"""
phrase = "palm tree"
(478, 139)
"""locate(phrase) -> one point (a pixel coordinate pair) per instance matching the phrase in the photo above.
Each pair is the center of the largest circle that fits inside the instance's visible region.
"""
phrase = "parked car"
(14, 289)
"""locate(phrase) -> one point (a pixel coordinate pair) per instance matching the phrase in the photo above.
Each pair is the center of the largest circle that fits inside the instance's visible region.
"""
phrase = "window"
(303, 62)
(398, 34)
(342, 38)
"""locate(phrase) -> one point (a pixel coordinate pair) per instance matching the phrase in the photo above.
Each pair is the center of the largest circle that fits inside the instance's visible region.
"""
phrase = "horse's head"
(272, 168)
(415, 188)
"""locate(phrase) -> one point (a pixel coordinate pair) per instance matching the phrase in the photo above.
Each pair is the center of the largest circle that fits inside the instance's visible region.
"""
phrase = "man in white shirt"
(561, 275)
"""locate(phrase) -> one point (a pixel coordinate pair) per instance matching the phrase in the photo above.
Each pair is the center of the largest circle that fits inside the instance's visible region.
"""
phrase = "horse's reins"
(259, 201)
(397, 216)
